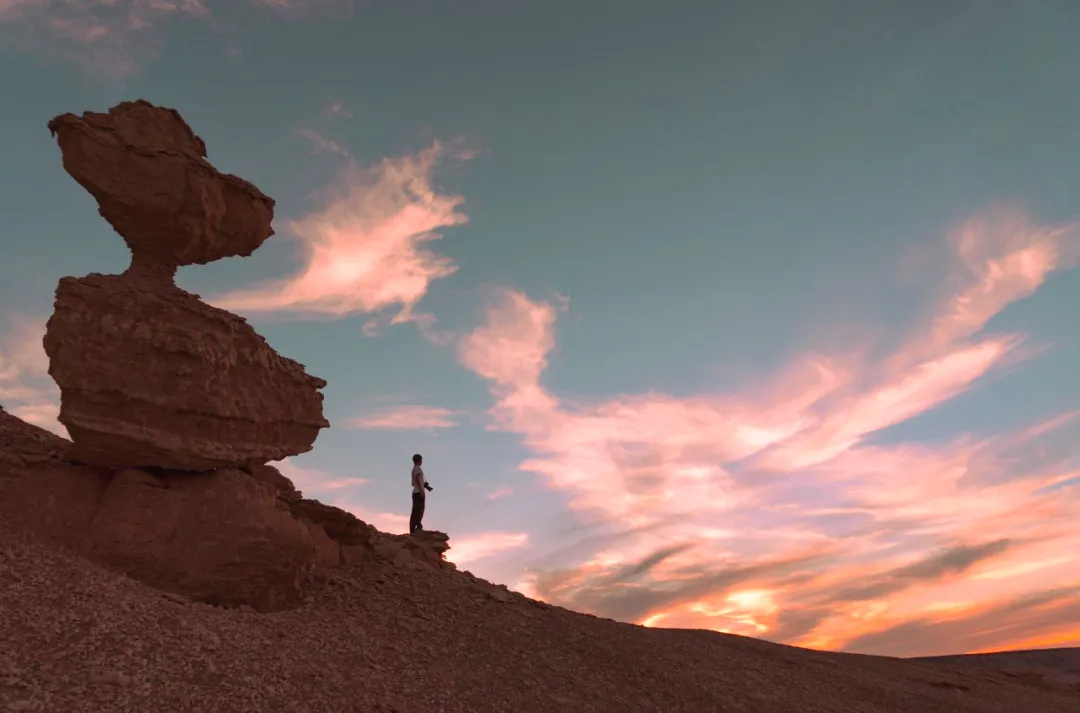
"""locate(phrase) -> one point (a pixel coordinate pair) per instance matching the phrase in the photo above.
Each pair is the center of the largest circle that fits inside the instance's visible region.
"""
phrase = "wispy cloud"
(406, 418)
(111, 38)
(323, 144)
(333, 489)
(500, 493)
(338, 109)
(367, 250)
(984, 626)
(472, 548)
(767, 512)
(26, 389)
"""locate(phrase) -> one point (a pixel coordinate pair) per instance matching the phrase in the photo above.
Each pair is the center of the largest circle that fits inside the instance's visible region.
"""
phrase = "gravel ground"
(405, 638)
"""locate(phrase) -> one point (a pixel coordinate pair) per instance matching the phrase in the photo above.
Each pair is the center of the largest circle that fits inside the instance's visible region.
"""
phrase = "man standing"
(419, 485)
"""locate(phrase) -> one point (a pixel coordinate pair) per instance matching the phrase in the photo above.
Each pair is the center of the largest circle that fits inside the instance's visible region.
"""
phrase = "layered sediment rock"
(157, 378)
(355, 537)
(222, 538)
(149, 375)
(149, 174)
(230, 537)
(22, 443)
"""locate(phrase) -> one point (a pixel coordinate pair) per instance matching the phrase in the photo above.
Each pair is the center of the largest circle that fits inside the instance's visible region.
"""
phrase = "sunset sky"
(750, 316)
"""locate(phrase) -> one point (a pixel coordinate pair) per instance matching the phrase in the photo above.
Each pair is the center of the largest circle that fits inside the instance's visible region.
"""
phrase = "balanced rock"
(149, 174)
(149, 375)
(157, 378)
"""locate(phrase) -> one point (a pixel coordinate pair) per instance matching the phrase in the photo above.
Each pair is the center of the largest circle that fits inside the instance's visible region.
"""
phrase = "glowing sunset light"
(770, 334)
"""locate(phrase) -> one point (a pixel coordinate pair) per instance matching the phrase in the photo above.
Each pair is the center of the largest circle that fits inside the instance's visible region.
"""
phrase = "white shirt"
(418, 480)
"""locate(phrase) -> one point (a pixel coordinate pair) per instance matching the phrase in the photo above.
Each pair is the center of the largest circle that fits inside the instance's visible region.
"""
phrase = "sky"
(750, 316)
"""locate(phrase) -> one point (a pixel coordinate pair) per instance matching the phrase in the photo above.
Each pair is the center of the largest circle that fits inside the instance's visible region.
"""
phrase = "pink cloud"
(367, 250)
(305, 478)
(765, 512)
(26, 389)
(1006, 258)
(500, 493)
(478, 546)
(329, 488)
(409, 417)
(111, 38)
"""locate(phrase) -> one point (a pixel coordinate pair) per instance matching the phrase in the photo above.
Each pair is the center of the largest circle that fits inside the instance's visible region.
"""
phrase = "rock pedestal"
(157, 378)
(149, 375)
(230, 537)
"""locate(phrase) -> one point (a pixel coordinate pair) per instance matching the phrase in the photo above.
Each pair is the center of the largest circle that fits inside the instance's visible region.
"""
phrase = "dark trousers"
(416, 518)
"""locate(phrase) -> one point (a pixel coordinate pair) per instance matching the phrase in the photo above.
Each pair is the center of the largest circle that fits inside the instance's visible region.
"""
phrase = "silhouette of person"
(419, 485)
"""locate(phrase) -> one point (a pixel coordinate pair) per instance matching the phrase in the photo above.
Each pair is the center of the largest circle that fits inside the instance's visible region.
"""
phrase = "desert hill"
(156, 562)
(1059, 665)
(391, 633)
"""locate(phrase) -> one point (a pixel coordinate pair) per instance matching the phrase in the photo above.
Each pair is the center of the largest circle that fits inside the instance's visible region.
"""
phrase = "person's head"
(417, 459)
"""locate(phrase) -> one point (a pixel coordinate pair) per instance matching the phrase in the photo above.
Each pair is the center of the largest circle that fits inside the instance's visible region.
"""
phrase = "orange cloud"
(766, 512)
(406, 418)
(366, 250)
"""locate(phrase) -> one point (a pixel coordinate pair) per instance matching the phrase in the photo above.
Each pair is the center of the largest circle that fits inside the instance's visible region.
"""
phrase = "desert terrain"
(156, 562)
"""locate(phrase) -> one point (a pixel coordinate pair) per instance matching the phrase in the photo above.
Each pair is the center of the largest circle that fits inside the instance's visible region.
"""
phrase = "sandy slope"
(400, 636)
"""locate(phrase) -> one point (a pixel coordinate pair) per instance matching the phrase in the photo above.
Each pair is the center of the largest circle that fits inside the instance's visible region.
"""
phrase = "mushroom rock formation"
(149, 174)
(149, 375)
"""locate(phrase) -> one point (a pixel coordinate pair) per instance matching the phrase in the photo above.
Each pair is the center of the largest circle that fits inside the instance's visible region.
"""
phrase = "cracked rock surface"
(148, 172)
(158, 378)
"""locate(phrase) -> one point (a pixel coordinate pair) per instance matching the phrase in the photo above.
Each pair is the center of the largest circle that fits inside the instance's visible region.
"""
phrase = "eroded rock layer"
(157, 378)
(230, 537)
(149, 174)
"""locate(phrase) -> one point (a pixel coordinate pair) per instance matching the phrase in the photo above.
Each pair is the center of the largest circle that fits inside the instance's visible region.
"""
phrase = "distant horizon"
(699, 318)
